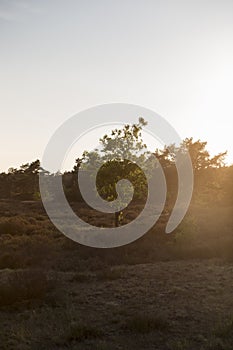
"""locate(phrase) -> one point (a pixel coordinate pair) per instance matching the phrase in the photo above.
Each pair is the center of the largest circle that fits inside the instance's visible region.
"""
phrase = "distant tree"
(200, 157)
(208, 177)
(23, 182)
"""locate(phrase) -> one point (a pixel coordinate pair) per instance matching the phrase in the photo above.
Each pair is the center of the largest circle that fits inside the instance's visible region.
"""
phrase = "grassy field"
(162, 292)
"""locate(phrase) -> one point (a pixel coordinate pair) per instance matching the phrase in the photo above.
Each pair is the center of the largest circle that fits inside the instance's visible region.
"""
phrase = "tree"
(119, 151)
(208, 177)
(23, 182)
(200, 157)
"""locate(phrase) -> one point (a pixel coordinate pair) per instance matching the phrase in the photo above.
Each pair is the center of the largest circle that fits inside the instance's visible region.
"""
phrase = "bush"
(81, 332)
(146, 323)
(21, 285)
(11, 226)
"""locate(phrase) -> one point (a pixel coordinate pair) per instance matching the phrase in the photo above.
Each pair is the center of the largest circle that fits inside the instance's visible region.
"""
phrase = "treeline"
(212, 178)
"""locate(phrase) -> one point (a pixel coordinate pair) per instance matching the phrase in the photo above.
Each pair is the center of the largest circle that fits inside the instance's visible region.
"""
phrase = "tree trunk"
(117, 218)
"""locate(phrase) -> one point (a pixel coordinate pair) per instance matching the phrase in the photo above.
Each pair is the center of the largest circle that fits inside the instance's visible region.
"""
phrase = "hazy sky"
(60, 57)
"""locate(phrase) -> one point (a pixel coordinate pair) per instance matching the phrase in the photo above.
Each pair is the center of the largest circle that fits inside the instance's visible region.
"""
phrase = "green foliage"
(118, 152)
(124, 143)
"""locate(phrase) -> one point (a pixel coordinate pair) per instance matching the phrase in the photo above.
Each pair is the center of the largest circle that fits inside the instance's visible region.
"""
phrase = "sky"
(60, 57)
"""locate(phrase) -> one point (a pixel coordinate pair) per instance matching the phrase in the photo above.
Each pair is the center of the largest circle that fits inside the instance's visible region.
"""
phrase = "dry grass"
(110, 274)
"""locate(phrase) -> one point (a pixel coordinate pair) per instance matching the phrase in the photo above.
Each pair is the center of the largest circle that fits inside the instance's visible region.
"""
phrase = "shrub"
(81, 332)
(146, 323)
(21, 285)
(11, 227)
